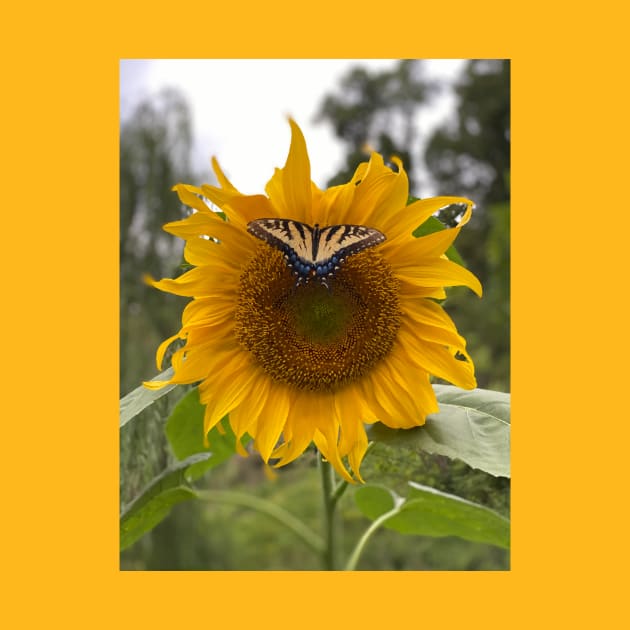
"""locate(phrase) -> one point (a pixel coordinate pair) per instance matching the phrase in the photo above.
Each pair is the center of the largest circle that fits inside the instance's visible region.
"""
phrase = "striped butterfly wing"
(311, 251)
(285, 235)
(341, 241)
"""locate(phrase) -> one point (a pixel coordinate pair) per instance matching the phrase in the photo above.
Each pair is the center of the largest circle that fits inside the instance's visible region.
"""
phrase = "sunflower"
(291, 363)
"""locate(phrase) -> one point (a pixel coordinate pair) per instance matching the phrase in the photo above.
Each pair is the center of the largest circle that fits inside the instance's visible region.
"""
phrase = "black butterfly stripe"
(298, 227)
(332, 231)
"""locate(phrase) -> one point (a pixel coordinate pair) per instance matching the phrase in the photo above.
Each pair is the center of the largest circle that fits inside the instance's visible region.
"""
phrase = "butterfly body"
(313, 252)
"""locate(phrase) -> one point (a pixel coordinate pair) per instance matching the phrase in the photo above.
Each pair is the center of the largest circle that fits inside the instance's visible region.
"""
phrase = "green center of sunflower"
(311, 336)
(318, 315)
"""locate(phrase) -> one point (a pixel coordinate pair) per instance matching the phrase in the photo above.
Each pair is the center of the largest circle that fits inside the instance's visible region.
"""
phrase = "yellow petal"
(224, 182)
(352, 439)
(380, 192)
(202, 251)
(244, 417)
(432, 323)
(188, 195)
(398, 407)
(414, 380)
(221, 392)
(199, 282)
(271, 420)
(155, 385)
(438, 272)
(299, 429)
(290, 188)
(327, 446)
(436, 359)
(161, 351)
(408, 218)
(208, 311)
(333, 205)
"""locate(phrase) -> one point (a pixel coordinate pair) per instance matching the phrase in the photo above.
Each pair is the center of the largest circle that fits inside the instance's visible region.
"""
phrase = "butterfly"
(314, 252)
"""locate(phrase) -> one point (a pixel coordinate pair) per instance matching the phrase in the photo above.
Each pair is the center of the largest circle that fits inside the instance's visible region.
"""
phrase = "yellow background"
(60, 315)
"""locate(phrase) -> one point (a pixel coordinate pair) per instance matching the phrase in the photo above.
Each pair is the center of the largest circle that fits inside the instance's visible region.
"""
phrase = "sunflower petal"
(327, 446)
(244, 417)
(224, 182)
(408, 218)
(290, 188)
(271, 421)
(198, 282)
(439, 272)
(437, 359)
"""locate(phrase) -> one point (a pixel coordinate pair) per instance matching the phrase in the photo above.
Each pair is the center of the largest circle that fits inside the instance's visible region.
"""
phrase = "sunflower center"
(318, 314)
(312, 336)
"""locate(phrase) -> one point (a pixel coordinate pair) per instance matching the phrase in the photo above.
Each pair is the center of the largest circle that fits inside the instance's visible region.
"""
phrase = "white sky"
(239, 109)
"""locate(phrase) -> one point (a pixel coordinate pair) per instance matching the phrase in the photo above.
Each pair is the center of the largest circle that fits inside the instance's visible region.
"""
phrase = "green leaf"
(374, 500)
(473, 426)
(154, 503)
(141, 397)
(184, 430)
(429, 512)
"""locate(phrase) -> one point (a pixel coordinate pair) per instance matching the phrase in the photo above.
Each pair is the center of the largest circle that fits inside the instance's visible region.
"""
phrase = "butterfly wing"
(337, 242)
(290, 237)
(313, 252)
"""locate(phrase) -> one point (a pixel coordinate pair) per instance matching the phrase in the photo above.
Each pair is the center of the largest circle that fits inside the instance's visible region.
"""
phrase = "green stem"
(358, 550)
(312, 540)
(328, 491)
(339, 490)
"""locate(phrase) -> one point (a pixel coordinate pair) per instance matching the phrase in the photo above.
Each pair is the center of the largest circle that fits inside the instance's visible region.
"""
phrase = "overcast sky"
(239, 108)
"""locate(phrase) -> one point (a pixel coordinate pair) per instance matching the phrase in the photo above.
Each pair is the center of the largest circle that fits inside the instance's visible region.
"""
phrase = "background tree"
(378, 109)
(155, 148)
(155, 153)
(470, 156)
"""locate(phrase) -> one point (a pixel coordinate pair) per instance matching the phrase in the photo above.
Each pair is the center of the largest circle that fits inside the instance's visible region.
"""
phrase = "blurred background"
(449, 121)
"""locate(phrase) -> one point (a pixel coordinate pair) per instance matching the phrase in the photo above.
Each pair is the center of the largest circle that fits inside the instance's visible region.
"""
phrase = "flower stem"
(328, 491)
(312, 540)
(358, 550)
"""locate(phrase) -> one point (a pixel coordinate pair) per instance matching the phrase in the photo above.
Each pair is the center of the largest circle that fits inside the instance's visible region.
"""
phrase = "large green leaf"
(141, 397)
(473, 426)
(429, 512)
(184, 430)
(156, 500)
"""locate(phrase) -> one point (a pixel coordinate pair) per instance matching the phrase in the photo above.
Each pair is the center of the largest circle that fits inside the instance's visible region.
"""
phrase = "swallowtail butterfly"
(314, 252)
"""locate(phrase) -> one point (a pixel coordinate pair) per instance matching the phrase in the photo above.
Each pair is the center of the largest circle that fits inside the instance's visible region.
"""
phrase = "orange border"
(61, 334)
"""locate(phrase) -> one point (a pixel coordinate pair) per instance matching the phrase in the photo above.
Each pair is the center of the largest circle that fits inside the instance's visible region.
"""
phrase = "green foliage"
(472, 426)
(227, 537)
(184, 430)
(156, 500)
(141, 397)
(429, 512)
(432, 514)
